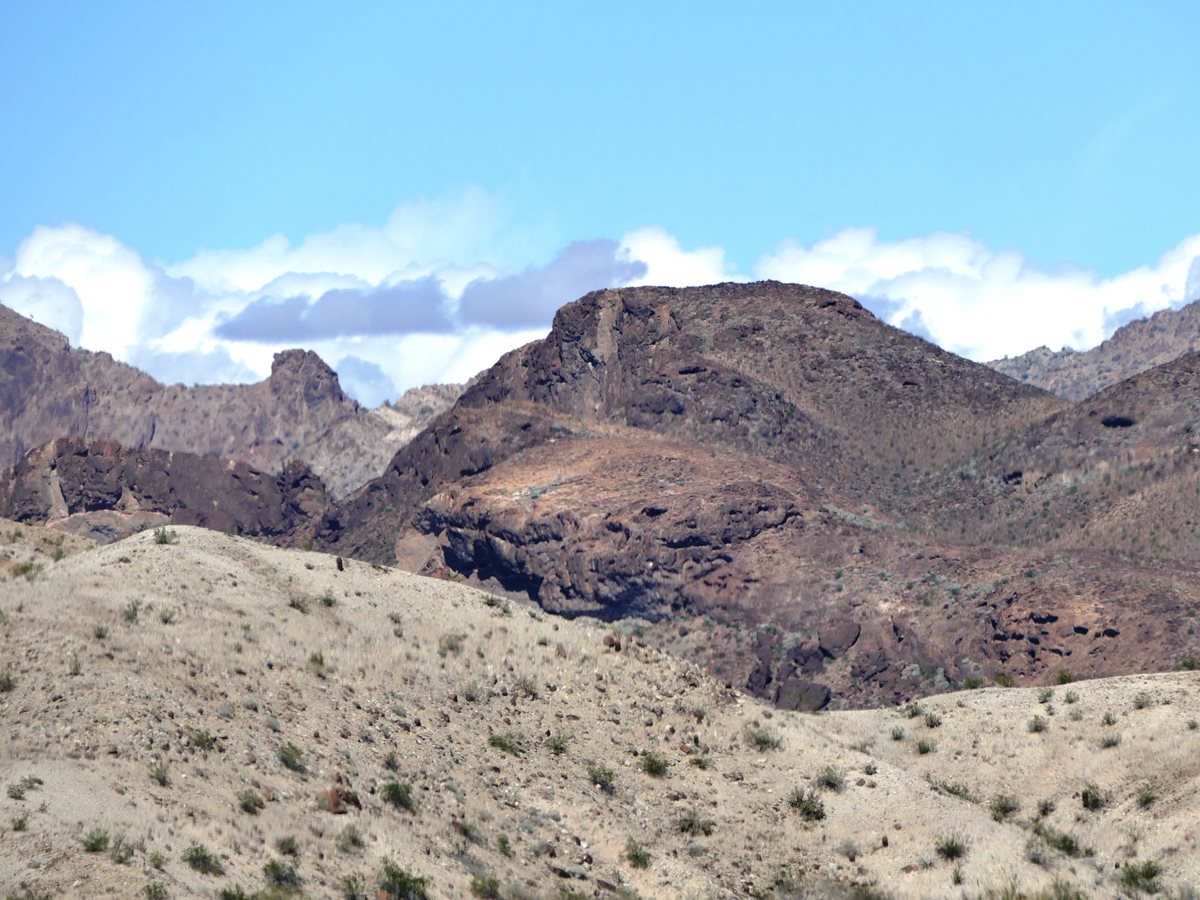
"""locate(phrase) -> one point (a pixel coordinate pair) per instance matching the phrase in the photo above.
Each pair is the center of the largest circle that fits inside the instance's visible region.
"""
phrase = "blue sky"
(1058, 135)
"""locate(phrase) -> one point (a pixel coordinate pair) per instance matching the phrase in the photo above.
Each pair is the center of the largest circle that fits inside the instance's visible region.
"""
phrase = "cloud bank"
(429, 295)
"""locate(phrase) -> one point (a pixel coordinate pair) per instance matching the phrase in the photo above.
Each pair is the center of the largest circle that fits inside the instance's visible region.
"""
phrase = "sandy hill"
(50, 390)
(1133, 348)
(189, 714)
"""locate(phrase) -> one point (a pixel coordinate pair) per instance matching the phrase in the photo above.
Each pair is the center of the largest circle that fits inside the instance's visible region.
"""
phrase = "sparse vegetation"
(924, 747)
(510, 742)
(898, 733)
(654, 764)
(350, 839)
(203, 860)
(830, 779)
(96, 840)
(399, 794)
(292, 758)
(7, 681)
(693, 824)
(1146, 795)
(557, 743)
(1003, 806)
(636, 854)
(201, 739)
(808, 804)
(249, 802)
(1005, 680)
(602, 777)
(933, 720)
(450, 644)
(486, 886)
(1037, 725)
(164, 535)
(1092, 797)
(160, 774)
(761, 738)
(18, 789)
(282, 875)
(950, 848)
(1141, 877)
(396, 883)
(130, 611)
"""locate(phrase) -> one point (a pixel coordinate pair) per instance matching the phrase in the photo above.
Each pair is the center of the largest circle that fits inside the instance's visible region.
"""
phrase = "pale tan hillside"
(149, 689)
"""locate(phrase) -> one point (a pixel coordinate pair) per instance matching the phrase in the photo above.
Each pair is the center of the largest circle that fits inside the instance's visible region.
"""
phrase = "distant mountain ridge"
(1133, 348)
(50, 390)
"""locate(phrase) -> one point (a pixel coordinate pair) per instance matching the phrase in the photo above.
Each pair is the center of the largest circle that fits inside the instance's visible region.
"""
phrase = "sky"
(413, 189)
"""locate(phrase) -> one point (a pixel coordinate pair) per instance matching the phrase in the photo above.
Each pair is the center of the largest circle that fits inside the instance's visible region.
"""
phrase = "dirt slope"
(149, 690)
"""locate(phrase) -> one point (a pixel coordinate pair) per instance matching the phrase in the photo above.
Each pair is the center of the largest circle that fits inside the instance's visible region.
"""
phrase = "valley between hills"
(720, 591)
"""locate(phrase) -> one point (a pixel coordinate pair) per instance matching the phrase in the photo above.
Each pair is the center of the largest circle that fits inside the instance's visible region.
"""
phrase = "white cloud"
(47, 301)
(667, 263)
(978, 302)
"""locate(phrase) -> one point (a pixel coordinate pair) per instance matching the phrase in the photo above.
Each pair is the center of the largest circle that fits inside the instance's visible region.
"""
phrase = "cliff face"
(107, 491)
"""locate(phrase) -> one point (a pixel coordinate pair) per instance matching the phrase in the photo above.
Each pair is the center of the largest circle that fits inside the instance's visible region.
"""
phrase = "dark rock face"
(71, 477)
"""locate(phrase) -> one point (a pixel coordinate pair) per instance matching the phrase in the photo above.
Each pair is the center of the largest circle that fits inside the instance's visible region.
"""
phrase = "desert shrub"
(830, 779)
(159, 774)
(96, 840)
(1045, 695)
(761, 738)
(201, 739)
(164, 535)
(7, 682)
(391, 762)
(1037, 725)
(1065, 676)
(950, 848)
(396, 883)
(487, 886)
(249, 802)
(636, 854)
(1092, 797)
(526, 686)
(350, 839)
(1108, 741)
(1146, 795)
(203, 860)
(19, 822)
(913, 710)
(130, 611)
(1060, 840)
(18, 789)
(602, 777)
(100, 632)
(399, 795)
(870, 768)
(1005, 680)
(924, 746)
(1109, 720)
(1141, 877)
(450, 643)
(282, 875)
(693, 824)
(122, 850)
(299, 604)
(653, 764)
(808, 804)
(508, 741)
(1071, 697)
(327, 600)
(504, 845)
(972, 684)
(898, 733)
(292, 757)
(1141, 700)
(933, 720)
(1046, 807)
(557, 743)
(155, 890)
(1003, 806)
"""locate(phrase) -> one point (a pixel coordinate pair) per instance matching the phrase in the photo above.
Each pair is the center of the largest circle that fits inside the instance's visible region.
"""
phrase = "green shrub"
(1003, 806)
(653, 764)
(160, 775)
(292, 757)
(130, 611)
(249, 802)
(487, 886)
(695, 825)
(1141, 877)
(1045, 695)
(1065, 676)
(282, 875)
(897, 733)
(557, 743)
(1005, 680)
(830, 779)
(396, 883)
(510, 742)
(950, 848)
(122, 850)
(808, 804)
(203, 860)
(399, 795)
(7, 681)
(1037, 725)
(602, 777)
(924, 746)
(201, 739)
(761, 738)
(1092, 797)
(155, 890)
(637, 855)
(1146, 795)
(350, 839)
(933, 720)
(96, 840)
(164, 535)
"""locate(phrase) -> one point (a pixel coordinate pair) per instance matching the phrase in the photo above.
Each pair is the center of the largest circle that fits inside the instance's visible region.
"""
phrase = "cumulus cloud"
(365, 381)
(982, 303)
(48, 301)
(404, 307)
(531, 297)
(667, 263)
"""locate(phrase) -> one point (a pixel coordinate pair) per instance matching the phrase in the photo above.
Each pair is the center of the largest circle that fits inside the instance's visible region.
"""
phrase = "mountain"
(1133, 348)
(755, 472)
(49, 390)
(213, 715)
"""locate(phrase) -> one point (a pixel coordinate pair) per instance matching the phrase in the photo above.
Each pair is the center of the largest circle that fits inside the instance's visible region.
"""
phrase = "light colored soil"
(429, 671)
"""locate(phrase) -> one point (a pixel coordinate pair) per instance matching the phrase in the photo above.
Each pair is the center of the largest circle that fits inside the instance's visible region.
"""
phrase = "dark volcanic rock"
(73, 477)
